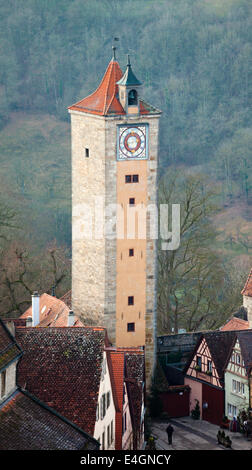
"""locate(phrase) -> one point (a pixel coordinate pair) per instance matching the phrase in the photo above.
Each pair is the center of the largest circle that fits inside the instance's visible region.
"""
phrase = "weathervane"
(114, 47)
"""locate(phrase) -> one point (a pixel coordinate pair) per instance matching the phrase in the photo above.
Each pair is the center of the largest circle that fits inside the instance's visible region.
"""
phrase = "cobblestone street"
(190, 434)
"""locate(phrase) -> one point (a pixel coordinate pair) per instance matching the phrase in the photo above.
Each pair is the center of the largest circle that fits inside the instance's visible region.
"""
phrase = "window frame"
(129, 329)
(131, 300)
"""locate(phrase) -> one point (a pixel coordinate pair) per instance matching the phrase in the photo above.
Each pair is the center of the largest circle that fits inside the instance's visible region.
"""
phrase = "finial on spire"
(128, 64)
(114, 53)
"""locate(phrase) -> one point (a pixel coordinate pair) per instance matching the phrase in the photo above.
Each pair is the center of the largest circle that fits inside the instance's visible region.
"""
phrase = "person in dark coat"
(169, 431)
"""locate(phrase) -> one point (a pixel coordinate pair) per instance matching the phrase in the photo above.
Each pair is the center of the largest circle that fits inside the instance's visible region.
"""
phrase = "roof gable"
(245, 342)
(204, 373)
(219, 344)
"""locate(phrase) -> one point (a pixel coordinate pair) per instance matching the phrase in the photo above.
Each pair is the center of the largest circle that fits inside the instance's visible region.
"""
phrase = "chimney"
(35, 308)
(28, 321)
(71, 318)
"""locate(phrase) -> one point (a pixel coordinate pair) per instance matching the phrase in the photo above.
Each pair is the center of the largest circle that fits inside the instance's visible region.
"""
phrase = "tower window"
(131, 201)
(131, 252)
(86, 152)
(135, 178)
(127, 178)
(130, 326)
(131, 300)
(132, 98)
(131, 178)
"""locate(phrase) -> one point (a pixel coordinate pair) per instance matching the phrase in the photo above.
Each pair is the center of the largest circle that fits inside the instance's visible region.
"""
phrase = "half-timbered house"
(205, 374)
(237, 374)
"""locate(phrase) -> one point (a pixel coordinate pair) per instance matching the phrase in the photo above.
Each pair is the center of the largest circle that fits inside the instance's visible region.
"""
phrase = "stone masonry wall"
(94, 259)
(151, 257)
(88, 183)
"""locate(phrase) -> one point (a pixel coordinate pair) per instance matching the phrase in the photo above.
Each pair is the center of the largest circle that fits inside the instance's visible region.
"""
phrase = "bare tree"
(22, 272)
(192, 291)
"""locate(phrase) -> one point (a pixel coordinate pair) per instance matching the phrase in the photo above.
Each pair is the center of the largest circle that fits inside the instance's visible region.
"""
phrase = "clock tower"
(114, 135)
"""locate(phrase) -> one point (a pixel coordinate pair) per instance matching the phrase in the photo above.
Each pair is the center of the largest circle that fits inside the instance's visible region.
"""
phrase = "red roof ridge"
(100, 102)
(105, 101)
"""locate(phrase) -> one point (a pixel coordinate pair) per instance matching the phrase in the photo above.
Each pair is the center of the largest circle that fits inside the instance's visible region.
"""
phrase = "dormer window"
(132, 98)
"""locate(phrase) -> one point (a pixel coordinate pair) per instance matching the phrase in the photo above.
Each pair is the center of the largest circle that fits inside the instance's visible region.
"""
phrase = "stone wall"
(247, 303)
(94, 257)
(88, 184)
(151, 257)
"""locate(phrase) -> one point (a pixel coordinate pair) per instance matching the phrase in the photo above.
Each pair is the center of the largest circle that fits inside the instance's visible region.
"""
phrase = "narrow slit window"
(131, 300)
(86, 152)
(131, 201)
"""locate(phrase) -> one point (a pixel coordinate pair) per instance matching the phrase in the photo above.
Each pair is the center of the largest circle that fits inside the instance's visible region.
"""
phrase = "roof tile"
(62, 367)
(26, 424)
(247, 290)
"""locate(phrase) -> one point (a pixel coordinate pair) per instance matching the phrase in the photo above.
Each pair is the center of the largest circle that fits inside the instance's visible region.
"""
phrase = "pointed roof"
(129, 78)
(247, 290)
(104, 99)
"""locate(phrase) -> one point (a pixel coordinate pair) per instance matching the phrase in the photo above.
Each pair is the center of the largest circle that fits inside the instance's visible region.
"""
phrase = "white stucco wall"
(103, 425)
(10, 381)
(236, 371)
(127, 437)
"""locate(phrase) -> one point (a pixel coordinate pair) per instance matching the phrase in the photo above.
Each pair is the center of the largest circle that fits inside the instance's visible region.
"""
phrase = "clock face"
(132, 142)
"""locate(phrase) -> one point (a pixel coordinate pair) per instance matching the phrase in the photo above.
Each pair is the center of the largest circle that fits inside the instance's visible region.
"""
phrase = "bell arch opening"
(132, 98)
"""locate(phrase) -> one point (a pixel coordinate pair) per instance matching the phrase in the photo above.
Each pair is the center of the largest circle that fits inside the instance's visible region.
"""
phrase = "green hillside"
(194, 58)
(35, 173)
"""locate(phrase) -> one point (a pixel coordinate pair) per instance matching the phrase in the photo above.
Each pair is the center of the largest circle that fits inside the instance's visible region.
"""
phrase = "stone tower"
(114, 137)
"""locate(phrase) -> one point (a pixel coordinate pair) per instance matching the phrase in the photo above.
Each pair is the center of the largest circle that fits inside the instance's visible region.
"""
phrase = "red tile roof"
(127, 366)
(62, 367)
(53, 312)
(235, 324)
(67, 298)
(27, 424)
(104, 100)
(247, 290)
(117, 382)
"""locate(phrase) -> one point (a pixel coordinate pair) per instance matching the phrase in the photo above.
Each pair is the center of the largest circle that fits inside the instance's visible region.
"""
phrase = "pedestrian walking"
(169, 431)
